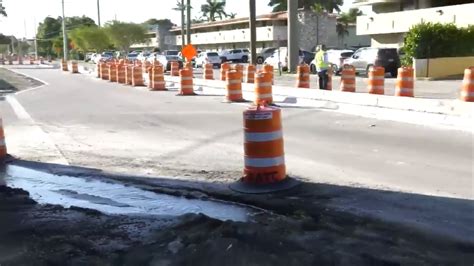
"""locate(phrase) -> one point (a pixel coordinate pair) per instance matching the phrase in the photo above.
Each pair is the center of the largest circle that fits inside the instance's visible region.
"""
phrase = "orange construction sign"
(189, 52)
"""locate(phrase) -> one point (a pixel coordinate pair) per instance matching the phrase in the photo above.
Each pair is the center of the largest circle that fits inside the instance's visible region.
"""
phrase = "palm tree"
(328, 5)
(212, 9)
(232, 15)
(344, 20)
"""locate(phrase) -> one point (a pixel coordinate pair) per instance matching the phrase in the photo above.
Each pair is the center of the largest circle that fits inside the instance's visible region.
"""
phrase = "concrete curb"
(432, 112)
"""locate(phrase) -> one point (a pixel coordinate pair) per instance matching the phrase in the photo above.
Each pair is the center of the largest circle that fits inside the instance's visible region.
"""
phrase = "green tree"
(213, 9)
(344, 20)
(328, 5)
(77, 22)
(47, 31)
(123, 35)
(90, 39)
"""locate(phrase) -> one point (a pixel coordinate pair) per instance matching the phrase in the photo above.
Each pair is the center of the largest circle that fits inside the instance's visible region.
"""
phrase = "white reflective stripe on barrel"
(264, 162)
(264, 84)
(234, 92)
(186, 78)
(233, 81)
(348, 76)
(379, 87)
(468, 82)
(159, 82)
(405, 79)
(267, 95)
(346, 85)
(467, 94)
(260, 137)
(377, 78)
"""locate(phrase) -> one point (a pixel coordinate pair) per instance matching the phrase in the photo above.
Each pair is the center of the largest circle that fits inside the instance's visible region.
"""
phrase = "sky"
(25, 15)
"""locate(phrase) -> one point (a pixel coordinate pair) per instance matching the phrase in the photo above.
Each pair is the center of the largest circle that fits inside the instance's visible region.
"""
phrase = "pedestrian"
(322, 66)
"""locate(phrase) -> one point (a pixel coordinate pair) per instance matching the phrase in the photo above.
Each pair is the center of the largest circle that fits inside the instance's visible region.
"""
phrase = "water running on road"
(114, 198)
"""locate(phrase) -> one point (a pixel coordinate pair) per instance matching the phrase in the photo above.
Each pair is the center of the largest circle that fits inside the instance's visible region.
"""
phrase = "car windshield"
(212, 54)
(172, 57)
(388, 52)
(172, 53)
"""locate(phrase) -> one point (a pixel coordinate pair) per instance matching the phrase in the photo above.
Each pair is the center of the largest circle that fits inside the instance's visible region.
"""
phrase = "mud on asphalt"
(299, 231)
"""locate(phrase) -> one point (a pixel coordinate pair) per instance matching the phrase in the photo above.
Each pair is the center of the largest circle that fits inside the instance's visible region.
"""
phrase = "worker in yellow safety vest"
(322, 66)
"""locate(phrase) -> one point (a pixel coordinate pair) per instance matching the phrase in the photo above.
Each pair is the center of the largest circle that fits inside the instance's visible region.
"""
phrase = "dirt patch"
(52, 235)
(12, 82)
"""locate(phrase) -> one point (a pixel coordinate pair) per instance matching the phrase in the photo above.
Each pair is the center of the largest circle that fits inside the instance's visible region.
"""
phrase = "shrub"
(432, 40)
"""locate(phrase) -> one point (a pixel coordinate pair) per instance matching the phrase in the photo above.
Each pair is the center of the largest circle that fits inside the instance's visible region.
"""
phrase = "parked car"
(142, 56)
(264, 54)
(235, 55)
(170, 52)
(88, 56)
(167, 59)
(364, 58)
(307, 56)
(105, 56)
(208, 58)
(280, 57)
(132, 56)
(336, 60)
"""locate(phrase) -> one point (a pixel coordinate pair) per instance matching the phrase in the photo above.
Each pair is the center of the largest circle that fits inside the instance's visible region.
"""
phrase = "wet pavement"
(115, 198)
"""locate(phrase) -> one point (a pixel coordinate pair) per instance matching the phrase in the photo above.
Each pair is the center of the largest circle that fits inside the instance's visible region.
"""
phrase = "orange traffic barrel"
(128, 74)
(3, 146)
(121, 74)
(157, 78)
(233, 86)
(329, 83)
(263, 88)
(75, 68)
(302, 75)
(239, 68)
(348, 78)
(376, 79)
(263, 145)
(250, 73)
(269, 69)
(188, 65)
(174, 69)
(224, 68)
(405, 82)
(137, 76)
(146, 66)
(105, 71)
(63, 64)
(113, 73)
(467, 89)
(186, 82)
(208, 72)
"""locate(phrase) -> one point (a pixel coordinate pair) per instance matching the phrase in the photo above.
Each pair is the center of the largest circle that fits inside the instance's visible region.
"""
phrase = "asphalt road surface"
(88, 122)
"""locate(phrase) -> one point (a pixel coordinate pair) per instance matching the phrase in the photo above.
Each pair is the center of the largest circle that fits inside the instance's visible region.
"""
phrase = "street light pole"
(253, 33)
(64, 35)
(293, 49)
(188, 22)
(98, 13)
(182, 24)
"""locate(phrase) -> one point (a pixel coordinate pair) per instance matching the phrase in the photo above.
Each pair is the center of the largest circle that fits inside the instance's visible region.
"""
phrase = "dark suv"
(364, 58)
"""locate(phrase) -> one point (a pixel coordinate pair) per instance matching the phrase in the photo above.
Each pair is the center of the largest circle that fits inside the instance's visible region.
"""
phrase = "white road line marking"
(22, 114)
(18, 108)
(31, 77)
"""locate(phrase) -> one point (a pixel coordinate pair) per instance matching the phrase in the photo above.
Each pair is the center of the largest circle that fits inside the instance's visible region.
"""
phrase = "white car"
(142, 56)
(235, 55)
(208, 58)
(280, 57)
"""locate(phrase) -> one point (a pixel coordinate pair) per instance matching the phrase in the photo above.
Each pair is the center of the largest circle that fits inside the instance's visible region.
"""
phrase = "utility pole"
(182, 24)
(98, 13)
(64, 35)
(253, 33)
(13, 44)
(188, 22)
(36, 42)
(293, 41)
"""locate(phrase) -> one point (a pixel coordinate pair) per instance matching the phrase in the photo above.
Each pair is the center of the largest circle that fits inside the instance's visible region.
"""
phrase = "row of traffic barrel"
(20, 60)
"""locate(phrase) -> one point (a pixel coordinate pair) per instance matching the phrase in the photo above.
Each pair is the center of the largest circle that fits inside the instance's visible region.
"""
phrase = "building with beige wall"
(272, 31)
(391, 19)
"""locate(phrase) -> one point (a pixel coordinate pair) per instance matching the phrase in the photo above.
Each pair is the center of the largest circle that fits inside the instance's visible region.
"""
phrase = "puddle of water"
(114, 198)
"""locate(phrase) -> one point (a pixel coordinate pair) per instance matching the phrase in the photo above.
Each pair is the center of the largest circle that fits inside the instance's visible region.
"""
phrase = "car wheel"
(245, 59)
(394, 73)
(260, 60)
(367, 69)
